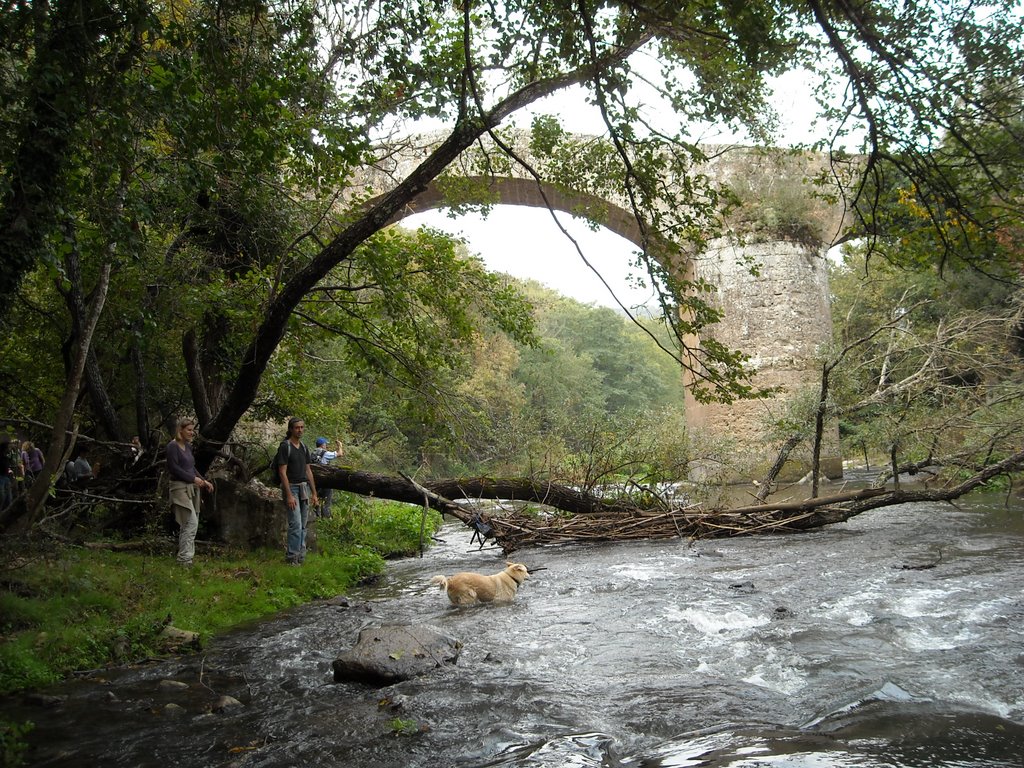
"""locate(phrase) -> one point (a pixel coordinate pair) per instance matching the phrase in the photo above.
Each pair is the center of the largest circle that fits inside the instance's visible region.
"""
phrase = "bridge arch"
(507, 190)
(781, 316)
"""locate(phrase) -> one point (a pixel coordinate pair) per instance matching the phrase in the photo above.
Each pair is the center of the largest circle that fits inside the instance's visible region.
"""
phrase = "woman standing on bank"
(185, 487)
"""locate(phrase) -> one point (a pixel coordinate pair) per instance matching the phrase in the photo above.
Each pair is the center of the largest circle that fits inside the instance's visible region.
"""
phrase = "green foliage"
(390, 529)
(519, 406)
(774, 200)
(13, 744)
(403, 727)
(635, 451)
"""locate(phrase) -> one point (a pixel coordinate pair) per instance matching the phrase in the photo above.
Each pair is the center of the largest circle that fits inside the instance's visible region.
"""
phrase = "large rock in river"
(392, 653)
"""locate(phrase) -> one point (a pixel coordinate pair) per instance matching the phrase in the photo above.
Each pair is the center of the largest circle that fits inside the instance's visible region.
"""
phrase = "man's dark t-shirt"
(295, 458)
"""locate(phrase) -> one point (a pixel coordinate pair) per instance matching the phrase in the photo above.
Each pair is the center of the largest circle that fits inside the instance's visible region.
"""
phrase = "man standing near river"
(297, 487)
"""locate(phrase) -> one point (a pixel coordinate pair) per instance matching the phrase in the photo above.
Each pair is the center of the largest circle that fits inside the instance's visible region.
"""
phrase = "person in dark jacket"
(185, 488)
(6, 473)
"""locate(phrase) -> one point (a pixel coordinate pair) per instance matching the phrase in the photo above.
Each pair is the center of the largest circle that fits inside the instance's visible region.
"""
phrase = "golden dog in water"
(468, 588)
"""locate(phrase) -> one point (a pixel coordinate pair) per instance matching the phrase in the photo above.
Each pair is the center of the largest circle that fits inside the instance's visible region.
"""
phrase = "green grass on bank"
(64, 609)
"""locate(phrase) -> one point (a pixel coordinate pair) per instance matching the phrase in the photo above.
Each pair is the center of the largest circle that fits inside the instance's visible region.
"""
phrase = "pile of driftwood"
(569, 516)
(513, 530)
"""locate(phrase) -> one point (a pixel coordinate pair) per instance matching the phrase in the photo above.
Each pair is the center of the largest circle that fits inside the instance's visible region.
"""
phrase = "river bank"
(71, 608)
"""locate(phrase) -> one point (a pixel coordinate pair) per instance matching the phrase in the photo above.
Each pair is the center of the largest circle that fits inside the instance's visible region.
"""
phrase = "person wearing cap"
(323, 455)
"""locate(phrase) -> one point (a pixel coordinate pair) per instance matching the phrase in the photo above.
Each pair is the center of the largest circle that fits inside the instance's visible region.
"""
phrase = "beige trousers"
(186, 502)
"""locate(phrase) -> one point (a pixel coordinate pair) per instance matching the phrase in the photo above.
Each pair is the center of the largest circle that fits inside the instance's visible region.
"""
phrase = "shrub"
(389, 528)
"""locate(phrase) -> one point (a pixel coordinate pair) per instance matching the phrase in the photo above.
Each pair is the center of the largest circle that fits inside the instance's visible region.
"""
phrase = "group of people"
(22, 462)
(293, 465)
(19, 465)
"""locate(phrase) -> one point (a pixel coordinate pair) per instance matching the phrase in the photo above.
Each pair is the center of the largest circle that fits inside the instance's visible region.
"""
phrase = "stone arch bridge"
(778, 313)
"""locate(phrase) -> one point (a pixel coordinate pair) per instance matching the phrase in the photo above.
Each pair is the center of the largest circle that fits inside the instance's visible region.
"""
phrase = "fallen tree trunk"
(548, 513)
(588, 517)
(582, 517)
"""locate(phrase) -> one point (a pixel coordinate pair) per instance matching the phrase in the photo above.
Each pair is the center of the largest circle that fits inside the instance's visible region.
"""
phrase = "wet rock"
(44, 700)
(225, 703)
(102, 697)
(172, 685)
(173, 709)
(390, 654)
(392, 703)
(177, 636)
(345, 603)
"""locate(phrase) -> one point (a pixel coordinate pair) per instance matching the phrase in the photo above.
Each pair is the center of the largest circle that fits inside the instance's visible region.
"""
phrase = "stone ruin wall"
(781, 319)
(782, 316)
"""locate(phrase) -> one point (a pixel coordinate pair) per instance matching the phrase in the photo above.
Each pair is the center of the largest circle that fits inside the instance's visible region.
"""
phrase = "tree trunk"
(819, 429)
(103, 408)
(780, 461)
(141, 414)
(196, 380)
(268, 335)
(37, 494)
(594, 519)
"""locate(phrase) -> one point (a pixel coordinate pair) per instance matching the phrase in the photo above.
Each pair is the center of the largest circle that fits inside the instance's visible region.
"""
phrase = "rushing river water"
(830, 648)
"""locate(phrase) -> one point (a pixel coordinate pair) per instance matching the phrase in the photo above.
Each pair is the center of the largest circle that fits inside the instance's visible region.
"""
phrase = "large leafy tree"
(223, 143)
(942, 127)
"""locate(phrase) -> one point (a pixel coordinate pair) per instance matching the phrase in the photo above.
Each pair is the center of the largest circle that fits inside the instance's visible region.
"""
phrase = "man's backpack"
(275, 476)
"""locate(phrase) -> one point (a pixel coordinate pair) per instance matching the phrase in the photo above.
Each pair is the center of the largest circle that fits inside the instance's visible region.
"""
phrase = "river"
(895, 639)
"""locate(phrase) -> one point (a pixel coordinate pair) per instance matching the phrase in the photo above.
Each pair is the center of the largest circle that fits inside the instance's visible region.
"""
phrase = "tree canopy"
(187, 177)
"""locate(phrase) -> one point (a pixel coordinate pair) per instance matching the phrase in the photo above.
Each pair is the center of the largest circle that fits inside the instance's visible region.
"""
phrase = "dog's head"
(517, 571)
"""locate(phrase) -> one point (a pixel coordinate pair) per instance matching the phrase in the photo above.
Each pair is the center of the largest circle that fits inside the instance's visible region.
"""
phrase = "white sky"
(526, 243)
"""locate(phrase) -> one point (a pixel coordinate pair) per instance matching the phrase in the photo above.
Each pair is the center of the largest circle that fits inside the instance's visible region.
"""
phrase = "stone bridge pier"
(778, 314)
(782, 319)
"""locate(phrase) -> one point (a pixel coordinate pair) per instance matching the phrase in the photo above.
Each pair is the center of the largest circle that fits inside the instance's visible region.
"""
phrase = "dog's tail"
(441, 581)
